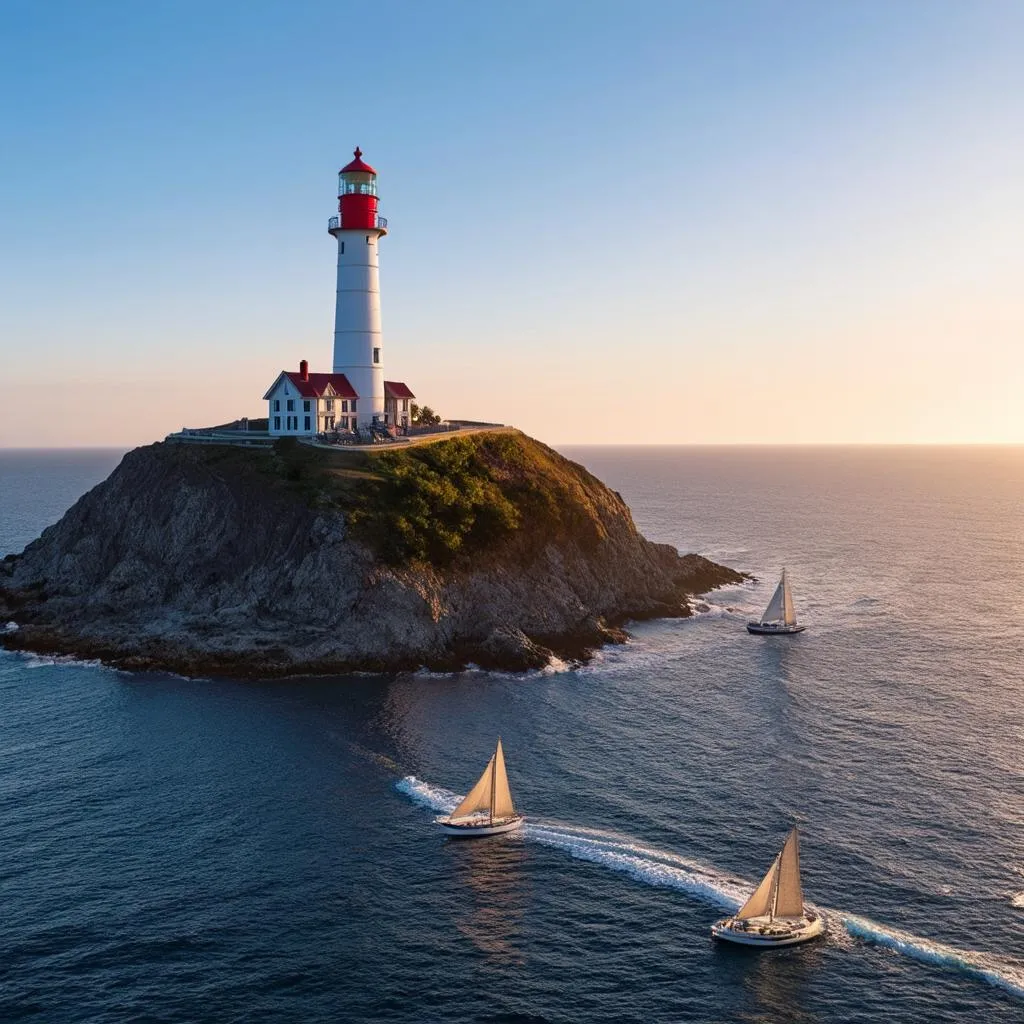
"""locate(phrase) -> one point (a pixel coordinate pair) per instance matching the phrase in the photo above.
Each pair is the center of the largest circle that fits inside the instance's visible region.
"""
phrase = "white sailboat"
(775, 914)
(487, 808)
(780, 615)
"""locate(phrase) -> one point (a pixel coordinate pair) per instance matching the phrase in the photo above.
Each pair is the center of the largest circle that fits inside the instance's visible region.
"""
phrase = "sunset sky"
(715, 221)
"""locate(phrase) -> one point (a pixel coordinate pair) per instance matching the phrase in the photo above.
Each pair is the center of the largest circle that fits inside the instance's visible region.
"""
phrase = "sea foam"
(998, 971)
(663, 868)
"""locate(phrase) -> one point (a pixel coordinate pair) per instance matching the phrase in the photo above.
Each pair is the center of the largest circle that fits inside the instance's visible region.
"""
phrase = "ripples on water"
(202, 850)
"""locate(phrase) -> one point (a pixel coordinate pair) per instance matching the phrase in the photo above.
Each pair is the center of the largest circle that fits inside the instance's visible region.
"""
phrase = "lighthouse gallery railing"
(335, 222)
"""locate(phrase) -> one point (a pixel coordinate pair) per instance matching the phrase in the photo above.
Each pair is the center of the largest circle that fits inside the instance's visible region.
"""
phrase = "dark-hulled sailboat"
(780, 615)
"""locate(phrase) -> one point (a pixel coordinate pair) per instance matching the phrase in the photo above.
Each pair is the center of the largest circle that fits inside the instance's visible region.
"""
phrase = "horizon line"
(608, 444)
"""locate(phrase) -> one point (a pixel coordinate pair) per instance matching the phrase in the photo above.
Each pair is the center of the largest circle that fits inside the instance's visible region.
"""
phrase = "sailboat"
(775, 914)
(487, 808)
(780, 615)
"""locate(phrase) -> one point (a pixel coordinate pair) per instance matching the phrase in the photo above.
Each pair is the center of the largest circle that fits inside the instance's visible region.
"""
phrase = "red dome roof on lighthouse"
(358, 164)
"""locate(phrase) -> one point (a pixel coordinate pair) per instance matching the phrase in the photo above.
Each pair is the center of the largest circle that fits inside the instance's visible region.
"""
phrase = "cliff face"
(490, 548)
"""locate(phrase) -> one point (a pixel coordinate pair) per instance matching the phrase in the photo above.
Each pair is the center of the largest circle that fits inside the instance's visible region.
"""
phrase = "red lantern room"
(357, 194)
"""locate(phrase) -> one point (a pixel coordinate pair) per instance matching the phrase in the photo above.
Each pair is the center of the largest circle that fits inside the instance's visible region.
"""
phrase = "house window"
(376, 355)
(344, 405)
(344, 422)
(353, 405)
(277, 405)
(405, 405)
(306, 427)
(305, 406)
(329, 404)
(277, 422)
(291, 405)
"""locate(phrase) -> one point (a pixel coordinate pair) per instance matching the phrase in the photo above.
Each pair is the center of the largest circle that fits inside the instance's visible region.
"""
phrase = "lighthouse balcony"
(334, 224)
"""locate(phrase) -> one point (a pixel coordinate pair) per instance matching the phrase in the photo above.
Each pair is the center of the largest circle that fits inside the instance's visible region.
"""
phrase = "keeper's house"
(304, 403)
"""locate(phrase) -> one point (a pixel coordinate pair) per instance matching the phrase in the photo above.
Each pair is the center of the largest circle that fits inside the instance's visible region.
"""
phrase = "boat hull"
(477, 830)
(771, 629)
(769, 936)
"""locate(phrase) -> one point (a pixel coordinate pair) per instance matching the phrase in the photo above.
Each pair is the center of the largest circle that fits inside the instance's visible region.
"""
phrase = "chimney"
(304, 369)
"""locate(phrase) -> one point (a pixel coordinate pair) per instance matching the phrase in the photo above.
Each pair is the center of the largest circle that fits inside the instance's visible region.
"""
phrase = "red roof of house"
(396, 389)
(358, 164)
(317, 384)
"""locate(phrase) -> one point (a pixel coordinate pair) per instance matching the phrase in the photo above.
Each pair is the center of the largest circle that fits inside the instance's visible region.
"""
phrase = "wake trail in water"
(664, 868)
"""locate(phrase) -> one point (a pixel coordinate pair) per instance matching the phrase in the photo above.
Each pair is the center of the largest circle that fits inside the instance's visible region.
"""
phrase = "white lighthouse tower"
(358, 351)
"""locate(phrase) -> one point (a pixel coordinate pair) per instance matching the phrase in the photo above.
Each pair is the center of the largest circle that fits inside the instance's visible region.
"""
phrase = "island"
(482, 548)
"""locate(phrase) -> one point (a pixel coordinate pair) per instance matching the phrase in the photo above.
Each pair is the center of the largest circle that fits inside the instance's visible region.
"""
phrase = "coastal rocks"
(490, 549)
(510, 648)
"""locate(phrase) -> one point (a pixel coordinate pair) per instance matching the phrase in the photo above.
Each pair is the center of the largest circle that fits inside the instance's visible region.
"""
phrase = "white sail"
(501, 800)
(479, 797)
(776, 606)
(760, 903)
(491, 793)
(789, 898)
(790, 616)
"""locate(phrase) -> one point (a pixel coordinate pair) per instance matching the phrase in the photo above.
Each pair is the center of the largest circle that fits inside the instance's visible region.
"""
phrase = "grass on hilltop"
(438, 502)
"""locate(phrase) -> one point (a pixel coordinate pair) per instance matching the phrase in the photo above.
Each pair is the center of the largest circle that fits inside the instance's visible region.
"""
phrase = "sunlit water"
(176, 850)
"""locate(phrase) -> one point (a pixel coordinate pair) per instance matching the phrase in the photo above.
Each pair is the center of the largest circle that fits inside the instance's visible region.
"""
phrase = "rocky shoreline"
(490, 550)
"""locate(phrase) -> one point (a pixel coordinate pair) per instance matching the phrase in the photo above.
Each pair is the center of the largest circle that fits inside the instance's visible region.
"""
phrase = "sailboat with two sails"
(775, 915)
(487, 809)
(780, 615)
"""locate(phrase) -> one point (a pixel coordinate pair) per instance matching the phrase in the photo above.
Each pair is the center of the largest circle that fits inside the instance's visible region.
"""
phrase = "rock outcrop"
(491, 549)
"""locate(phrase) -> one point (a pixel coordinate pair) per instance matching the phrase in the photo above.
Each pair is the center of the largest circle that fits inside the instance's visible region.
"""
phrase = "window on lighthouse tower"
(376, 355)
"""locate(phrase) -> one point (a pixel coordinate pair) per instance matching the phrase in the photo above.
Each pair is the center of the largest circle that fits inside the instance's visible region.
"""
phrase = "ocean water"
(204, 850)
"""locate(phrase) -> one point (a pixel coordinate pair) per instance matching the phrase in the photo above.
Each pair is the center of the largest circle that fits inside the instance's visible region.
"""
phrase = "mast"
(775, 889)
(494, 781)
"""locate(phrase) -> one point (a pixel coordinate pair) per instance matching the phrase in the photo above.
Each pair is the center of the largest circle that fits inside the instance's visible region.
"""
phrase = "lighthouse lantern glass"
(358, 183)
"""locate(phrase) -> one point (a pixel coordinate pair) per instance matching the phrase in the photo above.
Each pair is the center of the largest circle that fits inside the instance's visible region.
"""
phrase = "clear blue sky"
(726, 220)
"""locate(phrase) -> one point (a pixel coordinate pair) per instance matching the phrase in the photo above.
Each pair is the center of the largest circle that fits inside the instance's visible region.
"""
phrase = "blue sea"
(177, 850)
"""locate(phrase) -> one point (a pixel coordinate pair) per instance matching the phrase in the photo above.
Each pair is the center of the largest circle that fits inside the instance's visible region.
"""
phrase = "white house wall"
(286, 392)
(341, 412)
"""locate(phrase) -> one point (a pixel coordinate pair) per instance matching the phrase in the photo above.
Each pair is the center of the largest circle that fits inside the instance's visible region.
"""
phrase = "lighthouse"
(358, 350)
(353, 400)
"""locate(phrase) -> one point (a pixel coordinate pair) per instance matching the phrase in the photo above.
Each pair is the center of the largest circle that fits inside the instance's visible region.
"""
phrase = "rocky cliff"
(489, 548)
